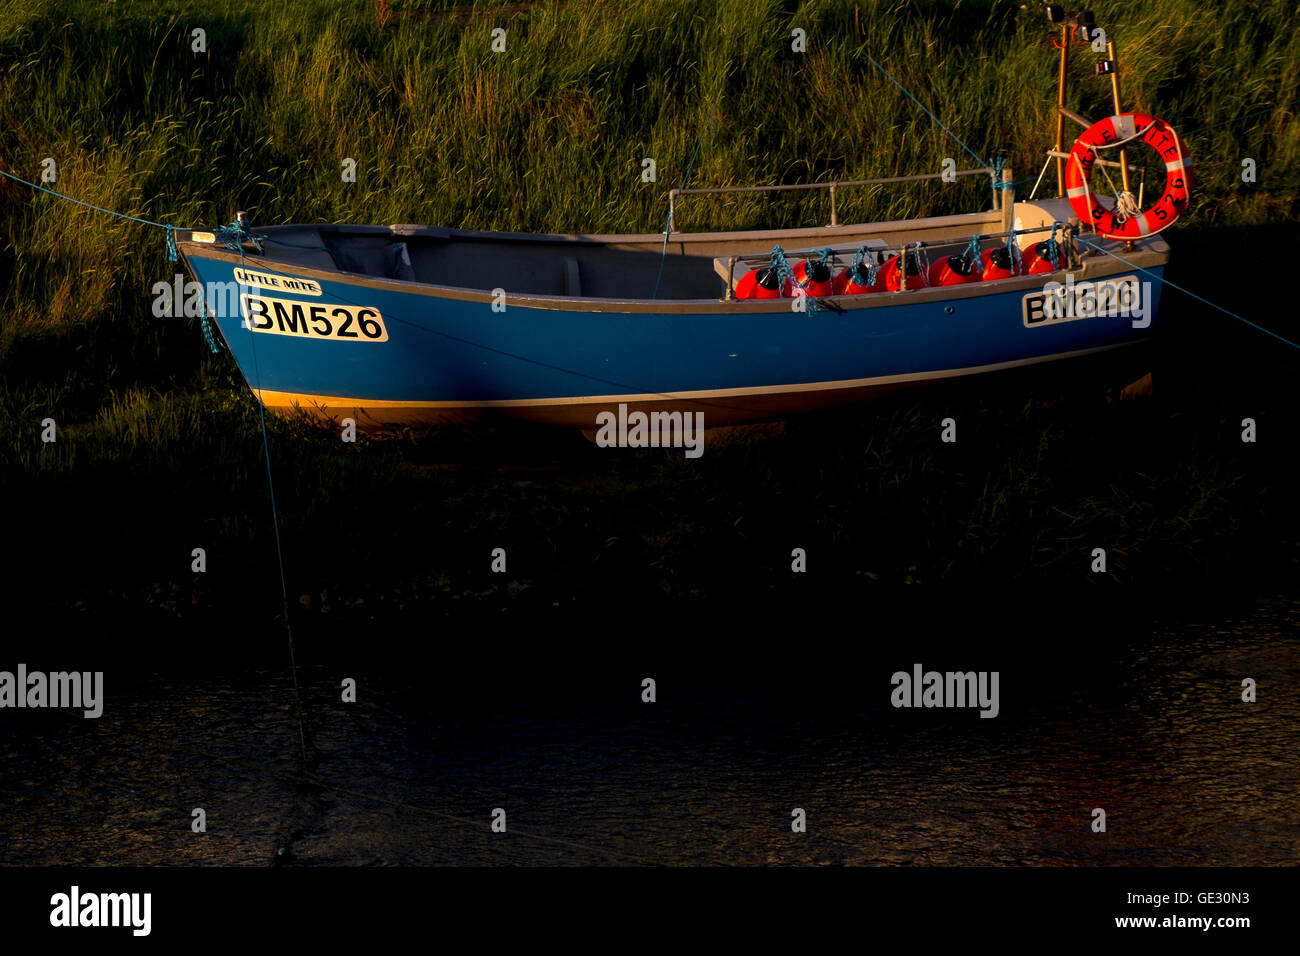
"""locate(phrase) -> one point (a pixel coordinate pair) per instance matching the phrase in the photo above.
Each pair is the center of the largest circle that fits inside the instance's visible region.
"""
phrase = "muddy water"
(409, 774)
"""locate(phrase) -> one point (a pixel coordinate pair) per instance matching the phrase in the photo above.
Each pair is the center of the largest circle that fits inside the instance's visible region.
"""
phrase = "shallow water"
(1149, 726)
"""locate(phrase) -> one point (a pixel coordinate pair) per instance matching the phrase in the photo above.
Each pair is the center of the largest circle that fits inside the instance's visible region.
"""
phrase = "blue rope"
(1198, 298)
(974, 253)
(1053, 249)
(922, 105)
(171, 238)
(207, 331)
(1013, 253)
(785, 274)
(275, 513)
(997, 162)
(223, 234)
(783, 271)
(856, 269)
(235, 235)
(668, 223)
(1271, 109)
(169, 231)
(119, 215)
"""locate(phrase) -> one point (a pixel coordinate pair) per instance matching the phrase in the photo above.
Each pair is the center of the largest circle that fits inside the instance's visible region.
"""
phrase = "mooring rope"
(996, 162)
(233, 237)
(1173, 285)
(169, 231)
(1238, 119)
(303, 776)
(907, 92)
(224, 234)
(212, 343)
(300, 707)
(476, 827)
(88, 205)
(668, 224)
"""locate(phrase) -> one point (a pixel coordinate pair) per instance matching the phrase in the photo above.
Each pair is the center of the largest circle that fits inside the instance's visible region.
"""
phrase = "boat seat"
(402, 263)
(572, 278)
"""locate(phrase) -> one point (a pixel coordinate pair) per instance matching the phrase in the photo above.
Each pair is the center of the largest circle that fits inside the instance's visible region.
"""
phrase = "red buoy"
(953, 270)
(1037, 261)
(894, 278)
(818, 275)
(854, 281)
(999, 264)
(761, 284)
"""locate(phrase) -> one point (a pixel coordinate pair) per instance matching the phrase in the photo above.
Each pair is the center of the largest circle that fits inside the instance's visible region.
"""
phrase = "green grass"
(160, 445)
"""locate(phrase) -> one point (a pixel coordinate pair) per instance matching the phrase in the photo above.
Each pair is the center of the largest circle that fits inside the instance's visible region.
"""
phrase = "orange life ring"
(1113, 131)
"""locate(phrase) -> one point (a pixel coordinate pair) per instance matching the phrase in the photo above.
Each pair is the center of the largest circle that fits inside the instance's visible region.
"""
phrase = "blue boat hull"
(452, 358)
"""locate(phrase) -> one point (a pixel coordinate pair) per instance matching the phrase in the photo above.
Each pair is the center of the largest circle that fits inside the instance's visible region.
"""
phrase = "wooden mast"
(1114, 95)
(1060, 105)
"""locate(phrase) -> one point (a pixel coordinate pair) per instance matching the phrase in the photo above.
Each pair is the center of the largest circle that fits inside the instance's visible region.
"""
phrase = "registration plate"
(312, 320)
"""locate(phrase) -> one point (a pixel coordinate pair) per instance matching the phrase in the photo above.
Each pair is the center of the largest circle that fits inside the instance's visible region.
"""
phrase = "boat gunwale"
(405, 230)
(1092, 267)
(1152, 253)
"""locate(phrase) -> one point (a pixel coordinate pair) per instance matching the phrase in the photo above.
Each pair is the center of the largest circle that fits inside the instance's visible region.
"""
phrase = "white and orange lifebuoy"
(1116, 131)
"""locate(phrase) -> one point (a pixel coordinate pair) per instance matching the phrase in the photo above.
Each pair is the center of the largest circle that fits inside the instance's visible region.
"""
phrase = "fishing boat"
(424, 325)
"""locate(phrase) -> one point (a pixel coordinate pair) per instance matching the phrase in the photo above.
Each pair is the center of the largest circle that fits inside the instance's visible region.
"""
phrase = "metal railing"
(832, 186)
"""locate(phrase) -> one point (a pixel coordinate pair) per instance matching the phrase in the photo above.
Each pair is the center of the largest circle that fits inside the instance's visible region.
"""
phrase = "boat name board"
(283, 283)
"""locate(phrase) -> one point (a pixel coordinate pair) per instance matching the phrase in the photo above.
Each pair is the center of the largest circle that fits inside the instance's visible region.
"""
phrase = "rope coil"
(785, 274)
(235, 235)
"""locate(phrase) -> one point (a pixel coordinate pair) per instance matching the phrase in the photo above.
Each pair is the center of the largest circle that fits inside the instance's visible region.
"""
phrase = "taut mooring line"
(954, 136)
(668, 223)
(1199, 298)
(275, 519)
(266, 447)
